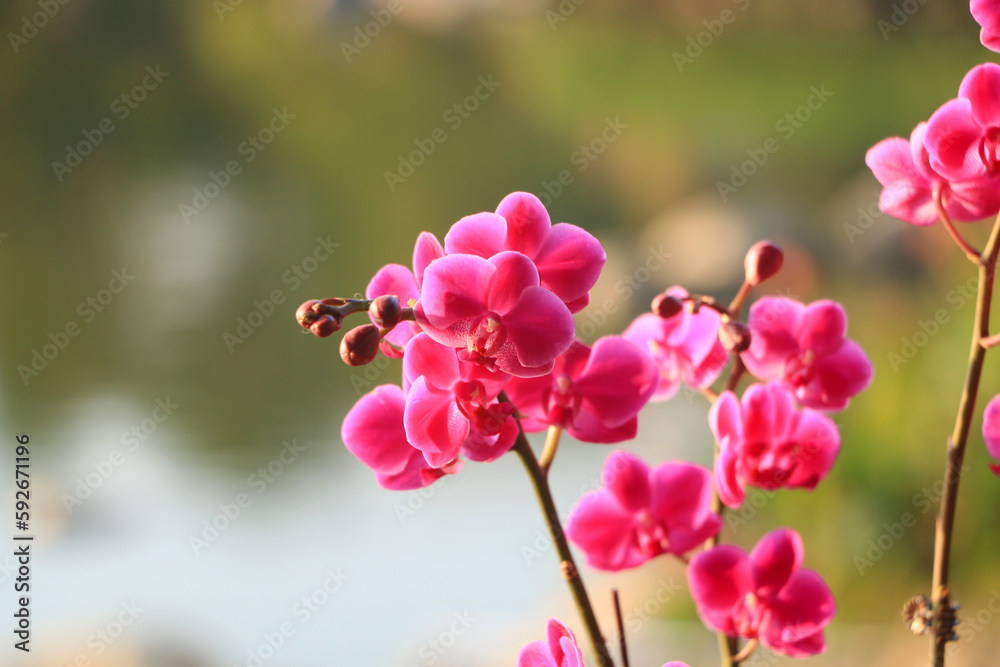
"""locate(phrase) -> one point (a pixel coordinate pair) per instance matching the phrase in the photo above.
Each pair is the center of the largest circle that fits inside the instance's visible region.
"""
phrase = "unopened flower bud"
(763, 261)
(734, 336)
(305, 315)
(360, 345)
(386, 311)
(325, 325)
(666, 306)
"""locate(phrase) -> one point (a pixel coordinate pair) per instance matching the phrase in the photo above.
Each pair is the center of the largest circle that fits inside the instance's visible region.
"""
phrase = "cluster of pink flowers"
(484, 326)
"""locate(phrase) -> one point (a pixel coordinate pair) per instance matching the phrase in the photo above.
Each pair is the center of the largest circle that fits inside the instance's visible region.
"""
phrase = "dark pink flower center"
(799, 370)
(650, 535)
(767, 465)
(561, 402)
(748, 614)
(989, 149)
(471, 399)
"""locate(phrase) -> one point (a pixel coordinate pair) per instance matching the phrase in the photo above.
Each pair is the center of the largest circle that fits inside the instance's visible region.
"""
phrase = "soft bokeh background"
(460, 574)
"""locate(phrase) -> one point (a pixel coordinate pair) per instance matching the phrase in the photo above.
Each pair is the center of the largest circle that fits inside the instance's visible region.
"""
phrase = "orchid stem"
(944, 619)
(969, 251)
(746, 652)
(551, 446)
(741, 296)
(540, 482)
(621, 627)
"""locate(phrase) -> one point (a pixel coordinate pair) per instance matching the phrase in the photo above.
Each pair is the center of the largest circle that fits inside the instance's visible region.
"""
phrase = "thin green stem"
(969, 251)
(944, 611)
(541, 485)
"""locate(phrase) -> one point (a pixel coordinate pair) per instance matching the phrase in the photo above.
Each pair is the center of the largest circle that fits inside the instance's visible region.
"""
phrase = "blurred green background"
(309, 212)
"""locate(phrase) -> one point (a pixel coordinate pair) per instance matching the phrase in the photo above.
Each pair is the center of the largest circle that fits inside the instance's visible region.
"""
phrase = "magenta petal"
(588, 427)
(838, 377)
(802, 608)
(434, 424)
(515, 273)
(455, 288)
(681, 501)
(618, 380)
(952, 139)
(540, 327)
(393, 279)
(725, 417)
(987, 14)
(758, 414)
(485, 448)
(425, 357)
(823, 327)
(426, 250)
(774, 323)
(981, 86)
(906, 191)
(563, 645)
(527, 222)
(600, 527)
(373, 430)
(627, 477)
(728, 482)
(819, 443)
(776, 556)
(536, 654)
(415, 475)
(719, 578)
(528, 395)
(991, 427)
(481, 234)
(570, 261)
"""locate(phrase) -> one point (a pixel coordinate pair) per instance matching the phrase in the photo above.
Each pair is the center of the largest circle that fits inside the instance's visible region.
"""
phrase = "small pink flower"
(373, 431)
(909, 182)
(987, 14)
(449, 401)
(963, 136)
(685, 347)
(766, 442)
(559, 649)
(766, 596)
(400, 282)
(991, 431)
(495, 311)
(594, 395)
(640, 513)
(568, 258)
(806, 347)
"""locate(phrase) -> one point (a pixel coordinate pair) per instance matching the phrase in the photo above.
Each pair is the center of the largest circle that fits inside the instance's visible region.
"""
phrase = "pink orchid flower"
(685, 347)
(558, 649)
(373, 431)
(806, 347)
(987, 15)
(766, 595)
(640, 513)
(400, 282)
(766, 442)
(909, 183)
(452, 404)
(495, 310)
(568, 258)
(991, 431)
(594, 395)
(962, 136)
